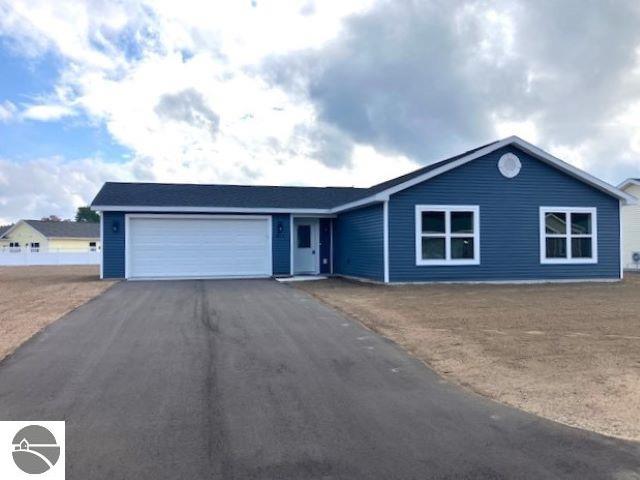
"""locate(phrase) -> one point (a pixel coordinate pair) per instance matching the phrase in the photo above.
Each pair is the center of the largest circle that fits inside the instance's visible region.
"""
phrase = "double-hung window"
(447, 235)
(568, 235)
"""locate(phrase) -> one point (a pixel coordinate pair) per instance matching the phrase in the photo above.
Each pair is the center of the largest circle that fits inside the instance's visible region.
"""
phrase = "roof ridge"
(235, 185)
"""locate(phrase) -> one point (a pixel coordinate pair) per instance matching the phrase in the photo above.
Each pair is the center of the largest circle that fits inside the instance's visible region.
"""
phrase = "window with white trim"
(447, 235)
(568, 235)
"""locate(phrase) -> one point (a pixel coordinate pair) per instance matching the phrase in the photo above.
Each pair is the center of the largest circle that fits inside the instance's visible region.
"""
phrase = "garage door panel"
(199, 247)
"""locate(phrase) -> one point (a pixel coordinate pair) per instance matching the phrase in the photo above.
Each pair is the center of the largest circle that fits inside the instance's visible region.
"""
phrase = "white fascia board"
(137, 208)
(20, 222)
(628, 182)
(517, 141)
(573, 171)
(12, 228)
(385, 194)
(380, 197)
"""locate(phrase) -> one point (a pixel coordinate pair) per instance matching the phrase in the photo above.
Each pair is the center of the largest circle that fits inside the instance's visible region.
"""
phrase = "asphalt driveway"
(254, 379)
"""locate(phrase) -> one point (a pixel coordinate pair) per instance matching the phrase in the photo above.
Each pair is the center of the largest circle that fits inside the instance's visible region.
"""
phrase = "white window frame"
(568, 235)
(448, 209)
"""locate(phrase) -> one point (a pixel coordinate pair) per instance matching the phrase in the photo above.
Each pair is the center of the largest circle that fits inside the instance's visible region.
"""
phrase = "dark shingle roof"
(66, 229)
(416, 173)
(246, 196)
(238, 196)
(4, 228)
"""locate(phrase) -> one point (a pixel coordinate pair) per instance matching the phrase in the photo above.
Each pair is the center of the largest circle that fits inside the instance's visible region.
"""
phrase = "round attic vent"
(509, 165)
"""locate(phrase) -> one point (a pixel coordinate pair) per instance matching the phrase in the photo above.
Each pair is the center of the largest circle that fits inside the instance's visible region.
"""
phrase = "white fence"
(23, 258)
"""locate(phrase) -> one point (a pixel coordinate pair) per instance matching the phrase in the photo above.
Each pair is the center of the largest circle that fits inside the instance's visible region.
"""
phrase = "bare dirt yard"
(33, 297)
(568, 352)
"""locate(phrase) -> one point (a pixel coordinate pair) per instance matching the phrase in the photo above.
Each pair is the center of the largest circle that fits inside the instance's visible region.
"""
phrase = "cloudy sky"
(303, 92)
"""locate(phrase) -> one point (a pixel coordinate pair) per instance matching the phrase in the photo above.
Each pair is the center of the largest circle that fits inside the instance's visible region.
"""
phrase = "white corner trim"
(620, 226)
(291, 244)
(385, 228)
(447, 235)
(568, 236)
(101, 245)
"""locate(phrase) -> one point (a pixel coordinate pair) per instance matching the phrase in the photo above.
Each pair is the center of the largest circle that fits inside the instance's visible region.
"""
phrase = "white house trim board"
(291, 245)
(385, 194)
(316, 244)
(568, 236)
(231, 210)
(385, 220)
(380, 197)
(448, 235)
(621, 227)
(627, 182)
(21, 222)
(130, 216)
(527, 147)
(101, 246)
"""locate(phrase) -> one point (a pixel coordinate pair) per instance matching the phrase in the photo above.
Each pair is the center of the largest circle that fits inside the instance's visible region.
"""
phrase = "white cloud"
(222, 122)
(122, 60)
(46, 113)
(7, 111)
(45, 186)
(525, 129)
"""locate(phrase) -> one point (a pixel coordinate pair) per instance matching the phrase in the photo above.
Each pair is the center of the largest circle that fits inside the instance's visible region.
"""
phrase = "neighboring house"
(506, 211)
(45, 236)
(631, 226)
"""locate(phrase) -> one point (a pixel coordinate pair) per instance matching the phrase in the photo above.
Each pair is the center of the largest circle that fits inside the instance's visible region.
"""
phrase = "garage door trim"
(127, 240)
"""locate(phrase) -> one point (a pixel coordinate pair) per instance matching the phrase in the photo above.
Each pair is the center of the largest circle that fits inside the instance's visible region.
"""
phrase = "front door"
(305, 254)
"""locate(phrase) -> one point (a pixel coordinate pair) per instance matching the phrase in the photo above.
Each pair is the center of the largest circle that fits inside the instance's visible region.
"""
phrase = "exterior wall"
(631, 229)
(509, 222)
(281, 244)
(358, 243)
(325, 245)
(114, 244)
(72, 244)
(25, 235)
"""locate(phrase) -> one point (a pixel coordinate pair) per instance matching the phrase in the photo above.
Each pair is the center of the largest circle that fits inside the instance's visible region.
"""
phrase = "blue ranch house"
(503, 212)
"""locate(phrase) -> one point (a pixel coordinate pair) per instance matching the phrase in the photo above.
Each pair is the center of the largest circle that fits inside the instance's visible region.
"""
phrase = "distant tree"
(85, 214)
(51, 218)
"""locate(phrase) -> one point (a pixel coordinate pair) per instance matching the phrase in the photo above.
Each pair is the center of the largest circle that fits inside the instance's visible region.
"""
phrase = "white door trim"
(129, 216)
(316, 246)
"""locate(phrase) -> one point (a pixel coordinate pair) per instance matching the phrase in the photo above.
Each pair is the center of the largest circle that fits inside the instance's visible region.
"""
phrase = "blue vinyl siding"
(509, 222)
(113, 245)
(281, 244)
(358, 243)
(325, 245)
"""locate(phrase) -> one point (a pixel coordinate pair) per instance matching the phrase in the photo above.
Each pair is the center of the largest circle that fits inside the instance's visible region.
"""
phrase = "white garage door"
(198, 247)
